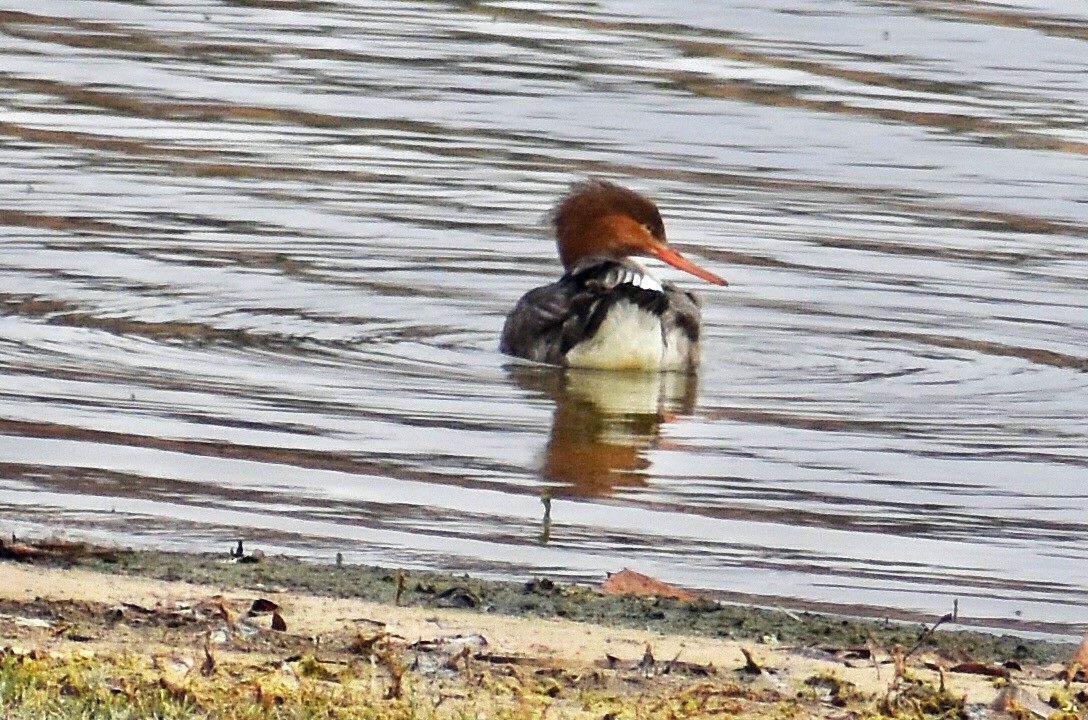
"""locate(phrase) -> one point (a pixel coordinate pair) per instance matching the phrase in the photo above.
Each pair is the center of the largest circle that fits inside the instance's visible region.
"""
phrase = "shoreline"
(366, 629)
(541, 597)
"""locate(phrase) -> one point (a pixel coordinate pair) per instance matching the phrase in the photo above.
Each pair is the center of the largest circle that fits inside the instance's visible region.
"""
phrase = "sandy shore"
(64, 612)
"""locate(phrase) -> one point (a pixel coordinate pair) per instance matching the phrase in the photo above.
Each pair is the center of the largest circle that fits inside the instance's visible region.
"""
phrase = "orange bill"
(664, 252)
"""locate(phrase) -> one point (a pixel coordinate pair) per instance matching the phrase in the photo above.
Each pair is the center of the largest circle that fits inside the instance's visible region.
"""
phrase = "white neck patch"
(648, 282)
(640, 277)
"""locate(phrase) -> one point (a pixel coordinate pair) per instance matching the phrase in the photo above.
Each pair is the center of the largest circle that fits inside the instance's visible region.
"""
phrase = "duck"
(608, 311)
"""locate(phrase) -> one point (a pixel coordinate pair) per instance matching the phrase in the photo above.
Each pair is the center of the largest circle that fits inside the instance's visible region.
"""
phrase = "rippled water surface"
(255, 256)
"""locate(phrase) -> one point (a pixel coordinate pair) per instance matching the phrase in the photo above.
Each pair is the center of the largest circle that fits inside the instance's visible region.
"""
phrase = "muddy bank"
(126, 634)
(543, 598)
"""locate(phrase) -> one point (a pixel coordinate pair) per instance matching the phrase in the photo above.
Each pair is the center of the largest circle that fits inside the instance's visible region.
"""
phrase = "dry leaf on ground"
(629, 582)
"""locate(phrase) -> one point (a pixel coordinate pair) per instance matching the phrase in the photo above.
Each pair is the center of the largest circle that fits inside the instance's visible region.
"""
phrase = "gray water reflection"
(254, 260)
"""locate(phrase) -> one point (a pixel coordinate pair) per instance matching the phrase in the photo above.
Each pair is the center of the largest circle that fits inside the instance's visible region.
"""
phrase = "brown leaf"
(459, 597)
(261, 606)
(629, 582)
(463, 655)
(278, 622)
(978, 668)
(750, 665)
(137, 608)
(176, 690)
(224, 610)
(1081, 655)
(21, 551)
(366, 645)
(689, 668)
(207, 669)
(646, 665)
(402, 584)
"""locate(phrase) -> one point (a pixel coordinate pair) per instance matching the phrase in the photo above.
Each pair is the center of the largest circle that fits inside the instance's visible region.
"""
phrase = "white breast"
(630, 338)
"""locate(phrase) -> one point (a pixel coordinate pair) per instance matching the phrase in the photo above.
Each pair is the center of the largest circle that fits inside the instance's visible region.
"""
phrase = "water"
(255, 257)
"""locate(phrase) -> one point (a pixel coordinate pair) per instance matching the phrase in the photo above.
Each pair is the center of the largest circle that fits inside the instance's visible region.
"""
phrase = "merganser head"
(601, 218)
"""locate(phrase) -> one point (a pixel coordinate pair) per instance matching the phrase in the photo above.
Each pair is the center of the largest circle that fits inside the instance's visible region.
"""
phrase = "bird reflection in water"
(604, 424)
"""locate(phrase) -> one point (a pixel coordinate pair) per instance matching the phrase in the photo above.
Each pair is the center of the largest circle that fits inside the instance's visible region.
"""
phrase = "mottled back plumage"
(550, 320)
(607, 311)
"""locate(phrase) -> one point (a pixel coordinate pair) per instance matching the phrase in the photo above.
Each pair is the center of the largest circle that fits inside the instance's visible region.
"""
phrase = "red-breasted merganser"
(608, 311)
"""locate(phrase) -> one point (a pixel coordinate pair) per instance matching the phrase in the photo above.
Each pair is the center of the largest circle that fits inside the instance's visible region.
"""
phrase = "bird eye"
(654, 229)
